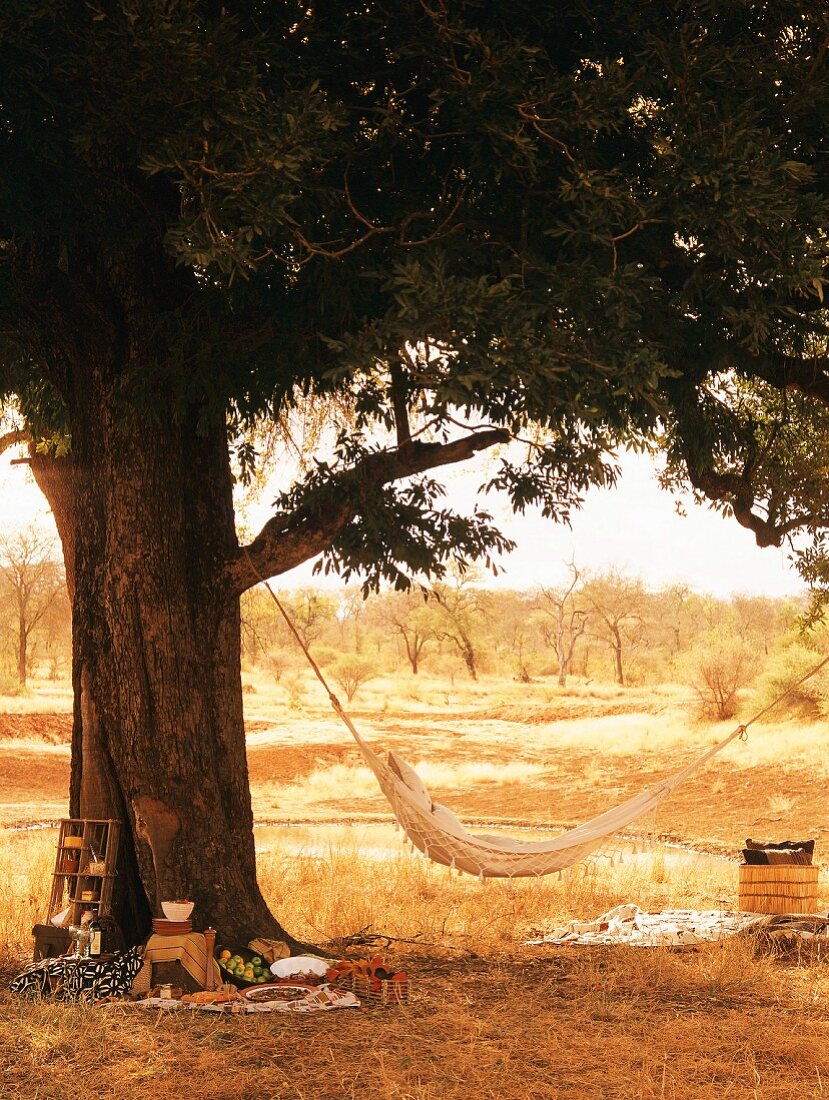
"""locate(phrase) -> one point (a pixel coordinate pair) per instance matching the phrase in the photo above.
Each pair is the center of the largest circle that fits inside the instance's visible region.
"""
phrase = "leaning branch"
(11, 439)
(286, 541)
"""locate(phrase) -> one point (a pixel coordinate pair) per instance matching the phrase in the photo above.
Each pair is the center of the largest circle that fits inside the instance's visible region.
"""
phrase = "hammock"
(435, 831)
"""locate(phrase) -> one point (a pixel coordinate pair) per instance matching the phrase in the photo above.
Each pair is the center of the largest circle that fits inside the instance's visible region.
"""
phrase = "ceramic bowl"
(177, 910)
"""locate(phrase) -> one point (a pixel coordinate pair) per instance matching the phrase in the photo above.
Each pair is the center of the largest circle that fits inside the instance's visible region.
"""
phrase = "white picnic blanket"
(628, 924)
(322, 999)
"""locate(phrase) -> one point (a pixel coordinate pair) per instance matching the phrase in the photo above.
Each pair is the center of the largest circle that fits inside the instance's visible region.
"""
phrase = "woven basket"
(778, 889)
(96, 867)
(143, 979)
(380, 992)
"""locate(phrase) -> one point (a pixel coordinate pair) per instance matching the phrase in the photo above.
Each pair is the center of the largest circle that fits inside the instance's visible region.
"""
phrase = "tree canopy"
(592, 219)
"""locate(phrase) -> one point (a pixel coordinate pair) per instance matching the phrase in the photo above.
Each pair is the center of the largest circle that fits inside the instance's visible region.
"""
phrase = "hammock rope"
(437, 832)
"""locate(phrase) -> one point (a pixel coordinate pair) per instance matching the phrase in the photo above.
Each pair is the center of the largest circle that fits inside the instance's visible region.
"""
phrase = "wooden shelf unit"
(85, 863)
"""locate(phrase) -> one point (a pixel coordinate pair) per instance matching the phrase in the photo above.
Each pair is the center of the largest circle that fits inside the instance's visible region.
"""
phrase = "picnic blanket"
(321, 999)
(630, 925)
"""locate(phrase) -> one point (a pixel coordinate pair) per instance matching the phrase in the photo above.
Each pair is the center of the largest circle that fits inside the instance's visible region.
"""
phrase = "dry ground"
(491, 1018)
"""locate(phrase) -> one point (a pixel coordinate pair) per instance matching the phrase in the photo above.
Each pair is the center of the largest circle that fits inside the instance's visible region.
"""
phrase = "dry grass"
(491, 1018)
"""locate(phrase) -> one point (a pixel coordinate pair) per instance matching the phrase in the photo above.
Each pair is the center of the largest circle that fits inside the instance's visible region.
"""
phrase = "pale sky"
(633, 528)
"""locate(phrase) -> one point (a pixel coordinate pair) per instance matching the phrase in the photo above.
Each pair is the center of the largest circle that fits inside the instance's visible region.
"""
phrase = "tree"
(459, 608)
(309, 611)
(618, 604)
(351, 671)
(459, 223)
(407, 616)
(563, 620)
(33, 581)
(510, 613)
(719, 666)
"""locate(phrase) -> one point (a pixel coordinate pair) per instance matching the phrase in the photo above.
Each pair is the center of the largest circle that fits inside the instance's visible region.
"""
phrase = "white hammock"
(437, 832)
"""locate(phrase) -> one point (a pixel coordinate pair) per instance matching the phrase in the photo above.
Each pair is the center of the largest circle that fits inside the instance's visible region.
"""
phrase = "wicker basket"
(377, 991)
(778, 889)
(96, 867)
(143, 979)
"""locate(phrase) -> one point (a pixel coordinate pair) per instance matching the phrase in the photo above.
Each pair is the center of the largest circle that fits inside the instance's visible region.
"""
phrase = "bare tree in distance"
(459, 605)
(619, 604)
(408, 616)
(33, 578)
(563, 620)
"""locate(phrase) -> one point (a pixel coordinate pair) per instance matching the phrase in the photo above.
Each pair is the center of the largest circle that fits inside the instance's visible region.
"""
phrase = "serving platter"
(278, 991)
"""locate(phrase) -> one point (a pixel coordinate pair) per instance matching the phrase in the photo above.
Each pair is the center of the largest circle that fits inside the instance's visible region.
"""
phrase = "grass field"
(492, 1017)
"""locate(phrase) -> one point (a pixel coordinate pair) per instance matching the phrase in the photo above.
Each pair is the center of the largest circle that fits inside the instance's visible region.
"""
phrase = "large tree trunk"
(159, 737)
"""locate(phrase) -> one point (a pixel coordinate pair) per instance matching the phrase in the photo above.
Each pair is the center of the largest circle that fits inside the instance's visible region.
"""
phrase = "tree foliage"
(596, 219)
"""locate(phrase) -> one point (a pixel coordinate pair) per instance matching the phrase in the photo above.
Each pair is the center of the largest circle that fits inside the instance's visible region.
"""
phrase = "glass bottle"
(96, 936)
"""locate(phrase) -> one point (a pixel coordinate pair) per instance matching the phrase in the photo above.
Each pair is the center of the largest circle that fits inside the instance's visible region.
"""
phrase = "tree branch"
(286, 541)
(11, 439)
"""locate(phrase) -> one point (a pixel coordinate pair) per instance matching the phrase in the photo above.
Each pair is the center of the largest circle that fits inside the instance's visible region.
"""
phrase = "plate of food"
(278, 991)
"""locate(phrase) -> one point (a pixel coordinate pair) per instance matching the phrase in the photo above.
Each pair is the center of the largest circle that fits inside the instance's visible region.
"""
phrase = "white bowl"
(178, 910)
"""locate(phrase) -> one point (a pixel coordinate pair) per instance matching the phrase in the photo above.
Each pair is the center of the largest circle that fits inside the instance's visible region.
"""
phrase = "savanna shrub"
(789, 660)
(717, 668)
(351, 671)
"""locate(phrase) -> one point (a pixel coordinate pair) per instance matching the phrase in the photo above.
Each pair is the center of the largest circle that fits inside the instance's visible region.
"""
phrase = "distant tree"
(563, 619)
(513, 631)
(673, 610)
(310, 612)
(407, 616)
(459, 611)
(759, 620)
(351, 671)
(350, 610)
(619, 606)
(261, 627)
(33, 579)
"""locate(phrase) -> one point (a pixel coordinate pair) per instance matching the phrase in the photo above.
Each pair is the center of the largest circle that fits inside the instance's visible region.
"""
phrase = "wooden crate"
(778, 889)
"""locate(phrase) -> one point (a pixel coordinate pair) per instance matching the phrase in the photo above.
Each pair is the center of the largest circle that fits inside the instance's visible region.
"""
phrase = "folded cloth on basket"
(780, 853)
(776, 857)
(629, 925)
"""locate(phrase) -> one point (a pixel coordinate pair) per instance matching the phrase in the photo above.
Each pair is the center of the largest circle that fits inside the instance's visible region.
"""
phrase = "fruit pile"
(253, 971)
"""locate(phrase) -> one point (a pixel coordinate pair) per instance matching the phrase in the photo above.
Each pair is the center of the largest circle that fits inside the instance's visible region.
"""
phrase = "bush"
(790, 660)
(351, 671)
(718, 667)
